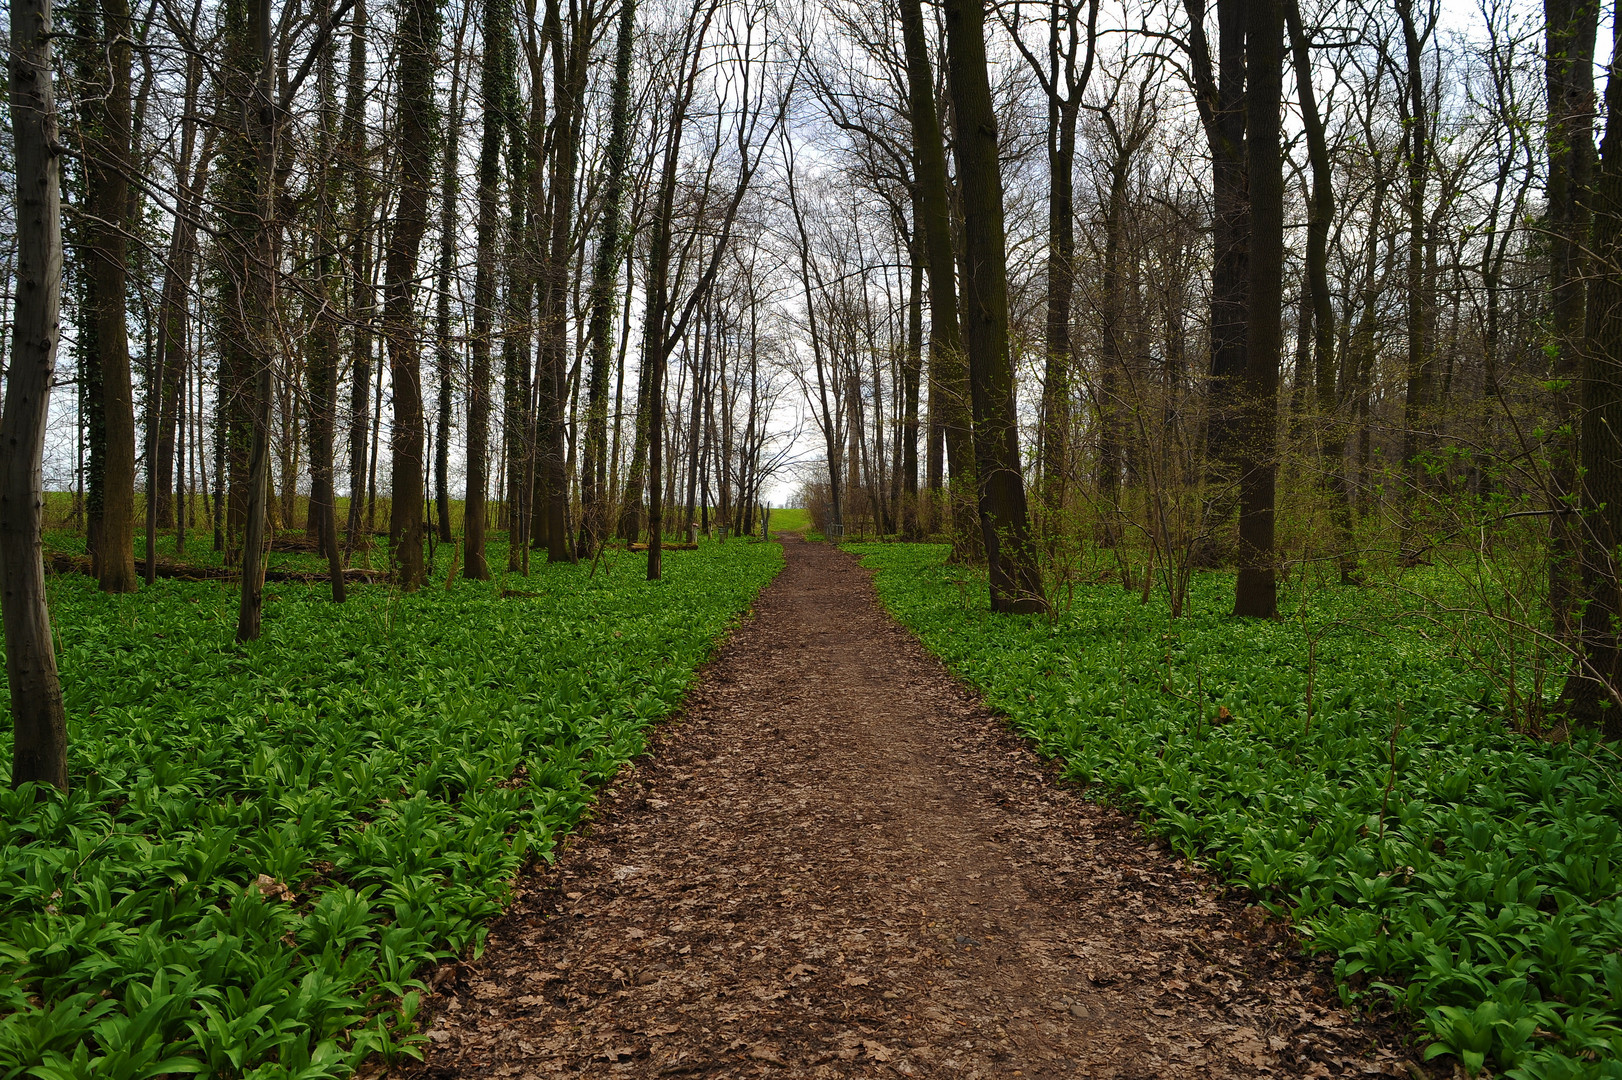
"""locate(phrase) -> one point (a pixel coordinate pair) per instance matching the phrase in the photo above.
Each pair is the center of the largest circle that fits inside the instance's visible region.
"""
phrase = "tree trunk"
(537, 383)
(107, 215)
(1015, 584)
(1571, 28)
(912, 368)
(1421, 379)
(360, 281)
(498, 97)
(38, 720)
(444, 355)
(1255, 593)
(1111, 431)
(417, 138)
(949, 391)
(594, 489)
(173, 303)
(1221, 99)
(258, 277)
(326, 332)
(1055, 436)
(517, 419)
(569, 74)
(654, 352)
(1593, 692)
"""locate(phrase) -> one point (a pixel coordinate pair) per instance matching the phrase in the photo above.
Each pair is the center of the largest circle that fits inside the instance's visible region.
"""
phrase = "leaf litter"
(836, 863)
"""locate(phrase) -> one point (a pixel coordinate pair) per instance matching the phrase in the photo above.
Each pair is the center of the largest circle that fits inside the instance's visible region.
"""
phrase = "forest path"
(837, 864)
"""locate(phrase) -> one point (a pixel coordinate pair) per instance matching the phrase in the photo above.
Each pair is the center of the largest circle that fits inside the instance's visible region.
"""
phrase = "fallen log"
(62, 562)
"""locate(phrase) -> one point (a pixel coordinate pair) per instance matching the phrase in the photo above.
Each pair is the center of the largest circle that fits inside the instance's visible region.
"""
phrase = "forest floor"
(836, 863)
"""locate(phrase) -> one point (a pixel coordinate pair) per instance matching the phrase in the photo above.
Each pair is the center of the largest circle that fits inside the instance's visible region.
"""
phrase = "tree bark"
(1421, 378)
(1571, 27)
(417, 138)
(1055, 435)
(1221, 100)
(1256, 592)
(498, 98)
(1592, 694)
(1015, 583)
(325, 336)
(948, 391)
(38, 719)
(594, 488)
(107, 214)
(258, 298)
(912, 368)
(569, 72)
(174, 299)
(360, 276)
(444, 355)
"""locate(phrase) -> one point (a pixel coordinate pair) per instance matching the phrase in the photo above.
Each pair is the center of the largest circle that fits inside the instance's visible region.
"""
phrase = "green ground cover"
(1468, 872)
(268, 845)
(789, 519)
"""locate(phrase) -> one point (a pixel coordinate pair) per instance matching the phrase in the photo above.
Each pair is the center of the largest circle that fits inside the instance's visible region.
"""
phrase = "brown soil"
(838, 864)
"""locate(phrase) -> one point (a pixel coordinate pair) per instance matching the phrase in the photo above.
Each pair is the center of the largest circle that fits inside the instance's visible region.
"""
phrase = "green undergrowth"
(1470, 874)
(789, 519)
(267, 846)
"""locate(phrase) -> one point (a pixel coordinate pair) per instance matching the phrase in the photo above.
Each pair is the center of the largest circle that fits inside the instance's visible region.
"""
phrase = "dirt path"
(837, 865)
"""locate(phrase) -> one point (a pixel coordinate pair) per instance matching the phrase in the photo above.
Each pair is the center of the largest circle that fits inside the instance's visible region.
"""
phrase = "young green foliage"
(266, 844)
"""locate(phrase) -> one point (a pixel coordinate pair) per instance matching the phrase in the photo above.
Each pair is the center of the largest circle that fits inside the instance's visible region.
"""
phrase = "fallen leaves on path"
(836, 864)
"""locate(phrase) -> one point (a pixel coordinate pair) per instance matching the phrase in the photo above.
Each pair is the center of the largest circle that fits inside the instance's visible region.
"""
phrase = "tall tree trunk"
(569, 71)
(38, 719)
(655, 347)
(326, 331)
(1221, 99)
(444, 355)
(517, 417)
(1015, 584)
(1320, 217)
(1593, 692)
(1055, 435)
(912, 368)
(106, 109)
(1256, 592)
(498, 98)
(537, 236)
(948, 374)
(594, 489)
(174, 299)
(1111, 430)
(1421, 378)
(700, 366)
(258, 276)
(636, 474)
(1571, 27)
(417, 138)
(360, 277)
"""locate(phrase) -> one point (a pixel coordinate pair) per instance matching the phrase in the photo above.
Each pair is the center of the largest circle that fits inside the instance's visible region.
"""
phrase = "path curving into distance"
(836, 864)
